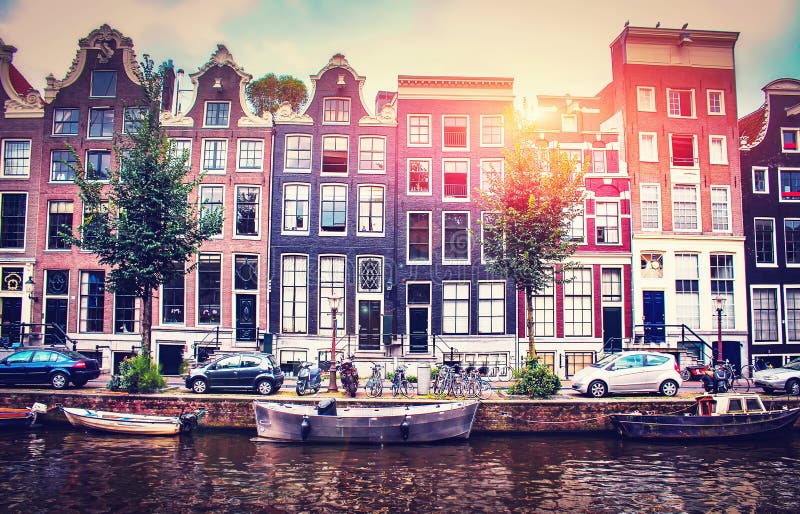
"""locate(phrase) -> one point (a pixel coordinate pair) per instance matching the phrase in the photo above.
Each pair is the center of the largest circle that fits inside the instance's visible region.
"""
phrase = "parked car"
(786, 378)
(48, 366)
(630, 372)
(244, 371)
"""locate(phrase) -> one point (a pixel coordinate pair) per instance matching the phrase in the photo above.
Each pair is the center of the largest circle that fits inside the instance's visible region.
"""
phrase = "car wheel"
(793, 387)
(265, 387)
(199, 386)
(668, 388)
(686, 375)
(79, 383)
(59, 380)
(597, 389)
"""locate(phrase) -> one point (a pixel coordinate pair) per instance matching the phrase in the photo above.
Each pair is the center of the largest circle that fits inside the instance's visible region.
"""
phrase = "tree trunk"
(147, 321)
(529, 322)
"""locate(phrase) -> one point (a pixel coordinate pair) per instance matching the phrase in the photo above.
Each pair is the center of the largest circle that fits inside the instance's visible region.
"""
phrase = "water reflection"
(73, 471)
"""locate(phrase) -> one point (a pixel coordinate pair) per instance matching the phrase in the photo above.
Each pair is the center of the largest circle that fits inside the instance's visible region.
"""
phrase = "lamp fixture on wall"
(29, 284)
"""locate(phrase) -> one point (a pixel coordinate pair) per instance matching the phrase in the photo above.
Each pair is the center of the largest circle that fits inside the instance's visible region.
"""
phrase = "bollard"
(423, 379)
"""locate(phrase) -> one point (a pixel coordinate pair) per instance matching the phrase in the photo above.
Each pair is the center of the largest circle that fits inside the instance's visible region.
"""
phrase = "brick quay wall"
(236, 411)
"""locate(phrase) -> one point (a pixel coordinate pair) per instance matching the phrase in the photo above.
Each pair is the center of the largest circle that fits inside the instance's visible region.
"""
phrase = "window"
(648, 149)
(245, 276)
(419, 237)
(790, 185)
(455, 132)
(251, 154)
(646, 98)
(544, 310)
(331, 283)
(491, 172)
(98, 163)
(722, 285)
(718, 150)
(298, 153)
(92, 301)
(370, 210)
(720, 212)
(419, 130)
(209, 270)
(685, 210)
(456, 180)
(569, 123)
(455, 308)
(172, 300)
(13, 208)
(334, 154)
(652, 265)
(491, 237)
(765, 314)
(455, 244)
(94, 221)
(65, 122)
(182, 149)
(793, 314)
(687, 284)
(760, 180)
(215, 155)
(682, 150)
(419, 176)
(576, 231)
(716, 101)
(336, 110)
(57, 282)
(765, 240)
(578, 303)
(133, 119)
(491, 307)
(491, 131)
(598, 164)
(294, 294)
(680, 103)
(217, 114)
(247, 199)
(104, 83)
(16, 158)
(370, 275)
(607, 222)
(333, 208)
(126, 313)
(612, 284)
(789, 139)
(59, 218)
(418, 293)
(372, 154)
(791, 234)
(650, 206)
(295, 207)
(211, 200)
(101, 123)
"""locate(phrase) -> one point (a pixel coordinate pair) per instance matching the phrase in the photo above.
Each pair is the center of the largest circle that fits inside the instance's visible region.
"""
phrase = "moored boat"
(325, 423)
(12, 419)
(714, 416)
(123, 423)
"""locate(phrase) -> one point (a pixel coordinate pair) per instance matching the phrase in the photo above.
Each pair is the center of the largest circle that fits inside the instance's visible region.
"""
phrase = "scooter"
(308, 378)
(716, 380)
(349, 375)
(696, 372)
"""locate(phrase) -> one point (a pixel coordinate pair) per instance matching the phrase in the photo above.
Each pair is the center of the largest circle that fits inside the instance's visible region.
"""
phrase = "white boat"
(324, 423)
(123, 423)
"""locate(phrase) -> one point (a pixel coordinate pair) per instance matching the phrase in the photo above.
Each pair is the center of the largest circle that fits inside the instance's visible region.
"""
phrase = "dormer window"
(336, 110)
(789, 139)
(217, 114)
(104, 84)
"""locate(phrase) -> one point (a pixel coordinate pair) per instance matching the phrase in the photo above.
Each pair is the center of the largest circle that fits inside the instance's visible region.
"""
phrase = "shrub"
(535, 381)
(434, 373)
(138, 374)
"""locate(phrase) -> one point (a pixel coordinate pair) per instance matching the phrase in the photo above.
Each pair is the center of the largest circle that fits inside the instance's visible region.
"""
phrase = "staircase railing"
(688, 340)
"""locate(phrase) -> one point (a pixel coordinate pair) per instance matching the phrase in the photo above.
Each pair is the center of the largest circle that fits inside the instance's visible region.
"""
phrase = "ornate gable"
(23, 101)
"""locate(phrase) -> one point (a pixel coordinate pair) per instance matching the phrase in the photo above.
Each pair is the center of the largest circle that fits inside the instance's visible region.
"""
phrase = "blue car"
(51, 366)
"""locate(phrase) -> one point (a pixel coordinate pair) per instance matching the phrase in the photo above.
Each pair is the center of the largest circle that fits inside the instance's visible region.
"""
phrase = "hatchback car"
(48, 366)
(785, 378)
(244, 371)
(629, 372)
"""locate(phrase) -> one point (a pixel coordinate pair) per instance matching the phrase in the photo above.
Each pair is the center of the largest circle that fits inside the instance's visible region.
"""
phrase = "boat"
(324, 423)
(12, 419)
(714, 416)
(140, 424)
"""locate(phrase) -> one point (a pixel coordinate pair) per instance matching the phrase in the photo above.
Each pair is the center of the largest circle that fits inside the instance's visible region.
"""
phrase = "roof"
(750, 126)
(20, 84)
(448, 81)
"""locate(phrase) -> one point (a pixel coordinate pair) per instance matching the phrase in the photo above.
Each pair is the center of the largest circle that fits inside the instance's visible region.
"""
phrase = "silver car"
(786, 378)
(629, 372)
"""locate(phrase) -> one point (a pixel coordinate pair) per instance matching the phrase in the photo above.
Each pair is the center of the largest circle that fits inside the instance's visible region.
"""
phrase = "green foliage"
(434, 373)
(138, 374)
(412, 379)
(184, 367)
(535, 381)
(270, 91)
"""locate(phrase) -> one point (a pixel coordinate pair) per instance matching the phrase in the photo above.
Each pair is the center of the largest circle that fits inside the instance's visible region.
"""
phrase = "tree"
(142, 224)
(268, 92)
(531, 206)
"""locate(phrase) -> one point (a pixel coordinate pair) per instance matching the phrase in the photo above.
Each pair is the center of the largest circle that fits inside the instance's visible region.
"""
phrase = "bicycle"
(476, 386)
(749, 370)
(734, 381)
(399, 382)
(374, 387)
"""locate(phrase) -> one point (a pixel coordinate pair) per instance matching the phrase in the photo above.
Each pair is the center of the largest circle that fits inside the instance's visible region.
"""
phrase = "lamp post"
(334, 304)
(719, 304)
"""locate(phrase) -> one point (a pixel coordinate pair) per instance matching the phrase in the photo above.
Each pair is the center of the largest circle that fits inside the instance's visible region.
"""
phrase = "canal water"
(61, 470)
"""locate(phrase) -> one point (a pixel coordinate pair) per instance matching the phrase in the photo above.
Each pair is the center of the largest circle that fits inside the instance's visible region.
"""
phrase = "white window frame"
(721, 102)
(126, 114)
(766, 179)
(67, 134)
(260, 166)
(583, 240)
(335, 186)
(502, 130)
(361, 233)
(200, 205)
(780, 186)
(203, 157)
(360, 143)
(569, 123)
(688, 274)
(693, 100)
(459, 301)
(616, 202)
(3, 158)
(446, 261)
(258, 212)
(324, 310)
(484, 303)
(785, 246)
(298, 232)
(483, 163)
(116, 83)
(728, 219)
(796, 138)
(307, 299)
(446, 198)
(778, 313)
(110, 163)
(657, 186)
(205, 112)
(484, 259)
(15, 249)
(430, 130)
(325, 137)
(698, 210)
(569, 286)
(182, 141)
(51, 179)
(724, 147)
(651, 150)
(774, 262)
(785, 314)
(349, 110)
(429, 162)
(695, 155)
(89, 124)
(468, 135)
(428, 261)
(286, 168)
(646, 105)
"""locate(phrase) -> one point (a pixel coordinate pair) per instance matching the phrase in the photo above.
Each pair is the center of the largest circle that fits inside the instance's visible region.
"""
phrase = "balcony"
(455, 137)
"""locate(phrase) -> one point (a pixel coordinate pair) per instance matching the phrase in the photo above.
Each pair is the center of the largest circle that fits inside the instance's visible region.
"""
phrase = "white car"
(630, 372)
(786, 378)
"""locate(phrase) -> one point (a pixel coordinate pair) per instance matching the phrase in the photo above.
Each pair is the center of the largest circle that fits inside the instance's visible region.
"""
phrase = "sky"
(550, 47)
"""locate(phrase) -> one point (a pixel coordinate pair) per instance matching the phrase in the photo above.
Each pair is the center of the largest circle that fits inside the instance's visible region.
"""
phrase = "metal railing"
(687, 339)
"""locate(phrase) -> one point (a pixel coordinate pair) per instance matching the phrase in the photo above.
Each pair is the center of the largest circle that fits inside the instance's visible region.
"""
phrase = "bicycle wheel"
(378, 388)
(740, 384)
(486, 389)
(403, 388)
(748, 370)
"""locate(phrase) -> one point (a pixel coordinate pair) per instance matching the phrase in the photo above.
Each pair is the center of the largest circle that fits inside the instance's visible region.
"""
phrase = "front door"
(245, 317)
(653, 316)
(369, 325)
(55, 313)
(170, 357)
(12, 316)
(418, 329)
(612, 329)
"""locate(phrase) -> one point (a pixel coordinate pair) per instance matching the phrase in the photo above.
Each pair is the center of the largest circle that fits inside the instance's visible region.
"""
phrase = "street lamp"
(334, 304)
(719, 304)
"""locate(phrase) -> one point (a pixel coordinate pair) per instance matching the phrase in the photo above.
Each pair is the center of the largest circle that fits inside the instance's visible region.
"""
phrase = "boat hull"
(654, 426)
(15, 419)
(123, 423)
(367, 425)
